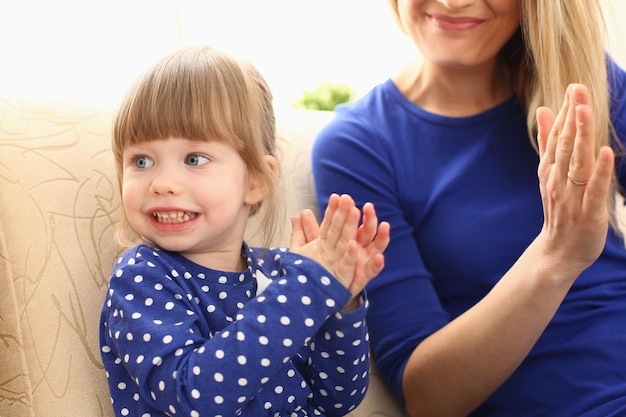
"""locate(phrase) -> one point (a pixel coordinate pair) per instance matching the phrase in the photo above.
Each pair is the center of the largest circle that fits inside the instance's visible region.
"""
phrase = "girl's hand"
(352, 253)
(574, 183)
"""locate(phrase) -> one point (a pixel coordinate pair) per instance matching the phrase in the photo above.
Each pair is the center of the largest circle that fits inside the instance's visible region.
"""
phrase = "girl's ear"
(258, 186)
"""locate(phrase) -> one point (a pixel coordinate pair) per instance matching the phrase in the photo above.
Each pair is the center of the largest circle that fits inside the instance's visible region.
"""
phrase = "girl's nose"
(165, 183)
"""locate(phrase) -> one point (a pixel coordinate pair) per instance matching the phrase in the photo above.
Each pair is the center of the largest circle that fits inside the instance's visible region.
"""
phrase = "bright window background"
(91, 51)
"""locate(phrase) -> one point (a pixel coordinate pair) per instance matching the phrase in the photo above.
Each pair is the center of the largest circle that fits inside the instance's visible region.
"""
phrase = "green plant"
(325, 97)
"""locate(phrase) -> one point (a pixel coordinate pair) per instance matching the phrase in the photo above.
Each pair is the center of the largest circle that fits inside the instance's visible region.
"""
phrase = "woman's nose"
(456, 4)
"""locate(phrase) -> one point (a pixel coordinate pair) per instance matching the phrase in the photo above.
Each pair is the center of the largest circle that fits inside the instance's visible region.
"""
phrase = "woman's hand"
(574, 183)
(352, 253)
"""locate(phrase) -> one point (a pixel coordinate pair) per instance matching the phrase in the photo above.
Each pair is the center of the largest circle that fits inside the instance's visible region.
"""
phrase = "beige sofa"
(58, 204)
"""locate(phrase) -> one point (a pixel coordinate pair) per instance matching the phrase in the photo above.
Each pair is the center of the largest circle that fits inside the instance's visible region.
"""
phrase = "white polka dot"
(167, 339)
(241, 360)
(195, 393)
(169, 305)
(218, 377)
(196, 370)
(284, 320)
(306, 300)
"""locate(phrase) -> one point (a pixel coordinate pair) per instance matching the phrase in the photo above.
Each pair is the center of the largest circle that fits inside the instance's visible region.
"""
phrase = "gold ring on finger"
(575, 182)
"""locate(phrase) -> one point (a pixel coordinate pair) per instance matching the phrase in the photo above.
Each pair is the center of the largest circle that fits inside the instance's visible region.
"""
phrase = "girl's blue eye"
(196, 159)
(143, 162)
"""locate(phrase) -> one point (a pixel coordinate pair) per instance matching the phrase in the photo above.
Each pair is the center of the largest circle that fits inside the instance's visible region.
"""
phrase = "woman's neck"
(455, 91)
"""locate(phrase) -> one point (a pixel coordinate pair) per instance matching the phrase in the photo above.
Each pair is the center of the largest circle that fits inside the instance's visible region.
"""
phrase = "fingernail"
(579, 118)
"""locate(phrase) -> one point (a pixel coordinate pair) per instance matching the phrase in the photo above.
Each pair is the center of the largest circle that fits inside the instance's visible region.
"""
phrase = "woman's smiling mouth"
(454, 23)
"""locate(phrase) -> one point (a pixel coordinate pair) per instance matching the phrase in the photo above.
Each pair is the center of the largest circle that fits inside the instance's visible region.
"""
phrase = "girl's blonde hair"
(202, 94)
(558, 43)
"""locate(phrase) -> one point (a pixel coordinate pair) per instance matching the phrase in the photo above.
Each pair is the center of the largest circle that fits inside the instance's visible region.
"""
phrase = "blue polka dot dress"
(179, 339)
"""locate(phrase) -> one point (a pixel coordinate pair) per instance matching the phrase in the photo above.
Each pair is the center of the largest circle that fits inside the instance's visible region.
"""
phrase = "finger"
(331, 208)
(545, 120)
(367, 230)
(297, 235)
(581, 164)
(552, 125)
(382, 239)
(567, 137)
(600, 183)
(374, 266)
(344, 222)
(309, 225)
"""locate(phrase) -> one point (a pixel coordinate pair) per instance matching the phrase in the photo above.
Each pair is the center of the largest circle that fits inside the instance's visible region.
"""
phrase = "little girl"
(195, 321)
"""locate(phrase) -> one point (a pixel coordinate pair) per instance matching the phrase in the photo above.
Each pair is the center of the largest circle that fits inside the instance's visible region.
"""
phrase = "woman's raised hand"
(575, 182)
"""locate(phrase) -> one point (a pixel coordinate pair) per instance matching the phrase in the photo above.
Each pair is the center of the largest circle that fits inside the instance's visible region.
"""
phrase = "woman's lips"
(454, 24)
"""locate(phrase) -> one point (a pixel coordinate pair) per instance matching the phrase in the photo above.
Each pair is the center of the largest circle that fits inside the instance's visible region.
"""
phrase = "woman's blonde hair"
(202, 94)
(559, 42)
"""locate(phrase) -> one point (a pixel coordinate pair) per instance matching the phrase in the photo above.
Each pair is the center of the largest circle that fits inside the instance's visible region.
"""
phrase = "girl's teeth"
(174, 217)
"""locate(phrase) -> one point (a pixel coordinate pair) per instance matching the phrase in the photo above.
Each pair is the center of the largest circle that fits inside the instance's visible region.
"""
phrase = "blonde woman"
(504, 291)
(196, 322)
